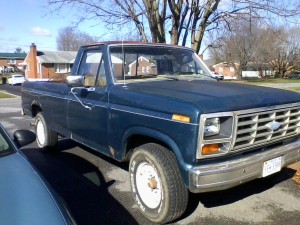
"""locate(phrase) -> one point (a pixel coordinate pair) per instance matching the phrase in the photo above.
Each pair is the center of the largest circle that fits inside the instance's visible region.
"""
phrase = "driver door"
(87, 106)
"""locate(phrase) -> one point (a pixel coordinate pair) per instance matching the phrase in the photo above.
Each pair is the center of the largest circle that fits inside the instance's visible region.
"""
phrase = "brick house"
(11, 61)
(252, 70)
(42, 65)
(226, 69)
(144, 67)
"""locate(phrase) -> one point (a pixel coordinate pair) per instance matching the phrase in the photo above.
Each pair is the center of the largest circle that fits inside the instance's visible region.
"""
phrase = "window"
(231, 69)
(11, 61)
(92, 67)
(62, 68)
(135, 63)
(220, 69)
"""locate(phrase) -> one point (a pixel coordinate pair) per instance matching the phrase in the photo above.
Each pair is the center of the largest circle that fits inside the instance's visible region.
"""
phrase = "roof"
(6, 55)
(134, 43)
(56, 56)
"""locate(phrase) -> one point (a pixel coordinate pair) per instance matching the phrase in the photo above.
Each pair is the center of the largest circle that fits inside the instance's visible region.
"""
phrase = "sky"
(23, 22)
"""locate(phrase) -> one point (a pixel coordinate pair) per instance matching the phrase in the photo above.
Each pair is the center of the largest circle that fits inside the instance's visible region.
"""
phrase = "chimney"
(33, 62)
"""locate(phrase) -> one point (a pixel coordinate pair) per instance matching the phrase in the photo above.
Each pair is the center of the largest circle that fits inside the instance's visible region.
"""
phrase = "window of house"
(231, 69)
(61, 68)
(11, 61)
(220, 69)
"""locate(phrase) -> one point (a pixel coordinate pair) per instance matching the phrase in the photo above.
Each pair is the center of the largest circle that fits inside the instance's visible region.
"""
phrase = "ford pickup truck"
(157, 107)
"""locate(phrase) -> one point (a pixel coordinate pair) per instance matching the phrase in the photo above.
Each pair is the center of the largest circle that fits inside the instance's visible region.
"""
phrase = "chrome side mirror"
(75, 81)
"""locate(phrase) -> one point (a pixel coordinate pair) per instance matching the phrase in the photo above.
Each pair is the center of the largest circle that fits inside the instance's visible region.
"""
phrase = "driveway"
(97, 189)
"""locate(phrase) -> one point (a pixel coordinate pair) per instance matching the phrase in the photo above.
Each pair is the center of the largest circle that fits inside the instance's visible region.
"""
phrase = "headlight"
(215, 134)
(211, 127)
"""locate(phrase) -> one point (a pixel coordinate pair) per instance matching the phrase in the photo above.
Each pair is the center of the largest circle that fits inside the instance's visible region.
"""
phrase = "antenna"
(123, 53)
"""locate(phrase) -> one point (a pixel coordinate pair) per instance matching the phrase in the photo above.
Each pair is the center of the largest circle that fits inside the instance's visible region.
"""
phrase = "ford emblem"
(273, 126)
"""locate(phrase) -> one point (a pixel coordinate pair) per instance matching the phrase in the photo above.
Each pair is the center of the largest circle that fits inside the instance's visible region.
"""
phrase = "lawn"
(272, 81)
(276, 82)
(5, 95)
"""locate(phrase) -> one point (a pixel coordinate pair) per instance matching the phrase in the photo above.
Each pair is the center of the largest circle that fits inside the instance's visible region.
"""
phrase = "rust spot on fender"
(296, 177)
(112, 151)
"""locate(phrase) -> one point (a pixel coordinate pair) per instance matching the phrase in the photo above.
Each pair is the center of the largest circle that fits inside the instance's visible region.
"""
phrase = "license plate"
(271, 166)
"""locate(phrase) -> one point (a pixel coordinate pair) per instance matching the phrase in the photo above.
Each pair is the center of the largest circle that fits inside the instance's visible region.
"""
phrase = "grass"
(297, 89)
(272, 81)
(5, 95)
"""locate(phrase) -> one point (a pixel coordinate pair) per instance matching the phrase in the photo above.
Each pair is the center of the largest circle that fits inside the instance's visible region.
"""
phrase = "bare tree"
(259, 45)
(182, 19)
(70, 39)
(287, 52)
(239, 46)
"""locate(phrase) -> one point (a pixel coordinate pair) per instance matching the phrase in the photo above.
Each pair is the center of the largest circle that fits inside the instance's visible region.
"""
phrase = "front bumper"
(227, 174)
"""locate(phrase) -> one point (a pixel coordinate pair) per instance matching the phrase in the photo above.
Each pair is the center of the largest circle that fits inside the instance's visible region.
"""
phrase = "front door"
(87, 106)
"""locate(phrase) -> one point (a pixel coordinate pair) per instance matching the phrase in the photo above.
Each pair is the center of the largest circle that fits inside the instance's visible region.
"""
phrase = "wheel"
(156, 183)
(45, 138)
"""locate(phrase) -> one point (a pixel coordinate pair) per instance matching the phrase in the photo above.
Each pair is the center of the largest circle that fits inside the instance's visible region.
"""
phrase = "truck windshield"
(139, 63)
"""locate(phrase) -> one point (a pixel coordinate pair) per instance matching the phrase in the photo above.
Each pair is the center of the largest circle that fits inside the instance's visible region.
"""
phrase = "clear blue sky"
(23, 22)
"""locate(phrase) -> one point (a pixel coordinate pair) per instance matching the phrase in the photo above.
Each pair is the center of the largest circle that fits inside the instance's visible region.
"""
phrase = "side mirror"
(24, 137)
(75, 81)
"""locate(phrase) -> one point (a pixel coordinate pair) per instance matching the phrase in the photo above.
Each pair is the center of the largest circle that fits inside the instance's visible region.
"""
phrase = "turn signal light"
(181, 118)
(210, 148)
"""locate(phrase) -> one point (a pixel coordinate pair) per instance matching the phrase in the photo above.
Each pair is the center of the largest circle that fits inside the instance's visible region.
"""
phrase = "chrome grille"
(260, 128)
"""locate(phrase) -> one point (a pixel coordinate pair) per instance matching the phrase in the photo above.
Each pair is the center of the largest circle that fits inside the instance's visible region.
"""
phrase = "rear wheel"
(45, 138)
(156, 183)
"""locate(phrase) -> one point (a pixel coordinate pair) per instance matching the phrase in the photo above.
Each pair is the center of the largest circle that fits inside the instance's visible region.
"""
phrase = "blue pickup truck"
(157, 107)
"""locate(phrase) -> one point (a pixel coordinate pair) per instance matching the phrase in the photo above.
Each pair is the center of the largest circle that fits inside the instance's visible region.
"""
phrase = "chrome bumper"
(227, 174)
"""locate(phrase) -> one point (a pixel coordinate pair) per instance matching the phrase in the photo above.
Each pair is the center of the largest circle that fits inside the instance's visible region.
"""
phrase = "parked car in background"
(16, 79)
(217, 76)
(25, 198)
(295, 75)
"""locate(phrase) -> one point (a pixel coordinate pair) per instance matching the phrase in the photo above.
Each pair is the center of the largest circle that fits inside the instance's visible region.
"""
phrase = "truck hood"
(213, 96)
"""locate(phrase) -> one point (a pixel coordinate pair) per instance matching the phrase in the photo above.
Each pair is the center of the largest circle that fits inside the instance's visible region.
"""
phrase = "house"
(143, 67)
(44, 65)
(230, 71)
(227, 70)
(11, 62)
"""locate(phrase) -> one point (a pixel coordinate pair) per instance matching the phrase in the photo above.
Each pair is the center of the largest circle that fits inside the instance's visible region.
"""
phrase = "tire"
(45, 138)
(156, 183)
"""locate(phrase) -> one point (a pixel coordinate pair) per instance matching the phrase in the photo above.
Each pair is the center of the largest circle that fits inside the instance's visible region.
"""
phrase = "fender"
(158, 135)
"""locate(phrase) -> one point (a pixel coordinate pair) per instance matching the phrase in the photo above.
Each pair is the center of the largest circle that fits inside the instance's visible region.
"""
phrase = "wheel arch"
(35, 108)
(137, 136)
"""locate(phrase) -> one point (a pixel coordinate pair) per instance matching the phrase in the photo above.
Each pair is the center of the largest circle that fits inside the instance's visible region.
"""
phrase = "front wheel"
(45, 137)
(156, 183)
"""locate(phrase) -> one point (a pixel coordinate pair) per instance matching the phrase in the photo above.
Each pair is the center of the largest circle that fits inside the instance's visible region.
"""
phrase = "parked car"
(217, 76)
(16, 79)
(295, 75)
(25, 198)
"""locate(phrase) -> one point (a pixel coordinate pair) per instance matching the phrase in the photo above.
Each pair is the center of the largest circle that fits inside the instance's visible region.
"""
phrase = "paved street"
(97, 190)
